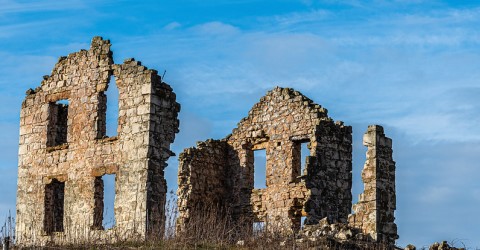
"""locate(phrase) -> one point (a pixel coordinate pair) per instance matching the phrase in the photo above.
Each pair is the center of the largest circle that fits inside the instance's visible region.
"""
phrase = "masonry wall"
(203, 170)
(282, 120)
(374, 212)
(330, 181)
(146, 126)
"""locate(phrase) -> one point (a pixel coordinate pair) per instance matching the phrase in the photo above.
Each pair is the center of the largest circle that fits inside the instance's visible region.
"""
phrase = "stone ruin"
(220, 173)
(64, 151)
(374, 212)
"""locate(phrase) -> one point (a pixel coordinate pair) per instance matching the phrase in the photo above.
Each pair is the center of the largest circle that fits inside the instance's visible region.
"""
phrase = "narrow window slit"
(302, 221)
(260, 168)
(107, 121)
(112, 108)
(104, 201)
(304, 152)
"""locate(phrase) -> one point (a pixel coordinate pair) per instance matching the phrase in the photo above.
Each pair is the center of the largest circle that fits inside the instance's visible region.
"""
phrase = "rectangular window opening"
(57, 123)
(304, 152)
(104, 195)
(54, 206)
(108, 111)
(260, 168)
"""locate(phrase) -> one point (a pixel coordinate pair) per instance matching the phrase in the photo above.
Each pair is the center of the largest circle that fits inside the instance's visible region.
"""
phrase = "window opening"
(112, 108)
(300, 154)
(58, 123)
(103, 213)
(107, 123)
(258, 227)
(302, 221)
(54, 206)
(260, 168)
(359, 153)
(304, 152)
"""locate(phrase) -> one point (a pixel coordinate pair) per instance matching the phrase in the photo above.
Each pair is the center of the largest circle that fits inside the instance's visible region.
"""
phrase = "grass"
(7, 231)
(207, 230)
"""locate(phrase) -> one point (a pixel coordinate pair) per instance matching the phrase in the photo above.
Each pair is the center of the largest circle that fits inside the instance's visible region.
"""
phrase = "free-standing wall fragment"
(67, 144)
(374, 212)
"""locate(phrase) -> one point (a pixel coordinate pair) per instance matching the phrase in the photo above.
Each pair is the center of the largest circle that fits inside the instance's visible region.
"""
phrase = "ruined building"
(64, 151)
(221, 172)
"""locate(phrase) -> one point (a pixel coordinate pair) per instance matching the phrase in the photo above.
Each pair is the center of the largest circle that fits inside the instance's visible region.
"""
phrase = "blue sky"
(411, 66)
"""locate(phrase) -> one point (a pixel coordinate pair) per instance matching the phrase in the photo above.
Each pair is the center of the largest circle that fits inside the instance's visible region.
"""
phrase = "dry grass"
(208, 230)
(7, 231)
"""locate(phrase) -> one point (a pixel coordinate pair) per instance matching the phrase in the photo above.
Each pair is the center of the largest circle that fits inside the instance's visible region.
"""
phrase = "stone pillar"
(374, 212)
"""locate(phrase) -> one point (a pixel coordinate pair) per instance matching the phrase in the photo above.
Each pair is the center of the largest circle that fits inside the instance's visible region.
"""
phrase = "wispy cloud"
(402, 86)
(413, 70)
(11, 6)
(172, 26)
(17, 29)
(301, 17)
(215, 28)
(30, 67)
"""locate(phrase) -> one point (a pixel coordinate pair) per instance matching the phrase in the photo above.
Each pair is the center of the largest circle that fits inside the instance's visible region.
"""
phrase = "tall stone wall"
(374, 212)
(66, 144)
(331, 179)
(202, 176)
(279, 123)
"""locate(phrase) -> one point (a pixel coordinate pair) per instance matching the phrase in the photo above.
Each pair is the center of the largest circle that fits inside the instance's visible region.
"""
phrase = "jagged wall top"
(67, 70)
(63, 139)
(276, 103)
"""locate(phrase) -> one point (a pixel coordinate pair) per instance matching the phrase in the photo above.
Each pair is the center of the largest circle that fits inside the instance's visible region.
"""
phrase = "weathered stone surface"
(443, 246)
(410, 247)
(338, 231)
(220, 172)
(374, 212)
(63, 150)
(279, 123)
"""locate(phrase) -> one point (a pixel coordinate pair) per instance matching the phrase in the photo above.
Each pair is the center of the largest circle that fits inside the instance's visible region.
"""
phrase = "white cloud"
(404, 87)
(301, 17)
(415, 73)
(215, 28)
(172, 26)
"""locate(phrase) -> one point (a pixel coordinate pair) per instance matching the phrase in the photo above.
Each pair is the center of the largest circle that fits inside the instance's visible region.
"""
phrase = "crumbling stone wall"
(374, 212)
(204, 168)
(331, 180)
(279, 123)
(282, 120)
(63, 150)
